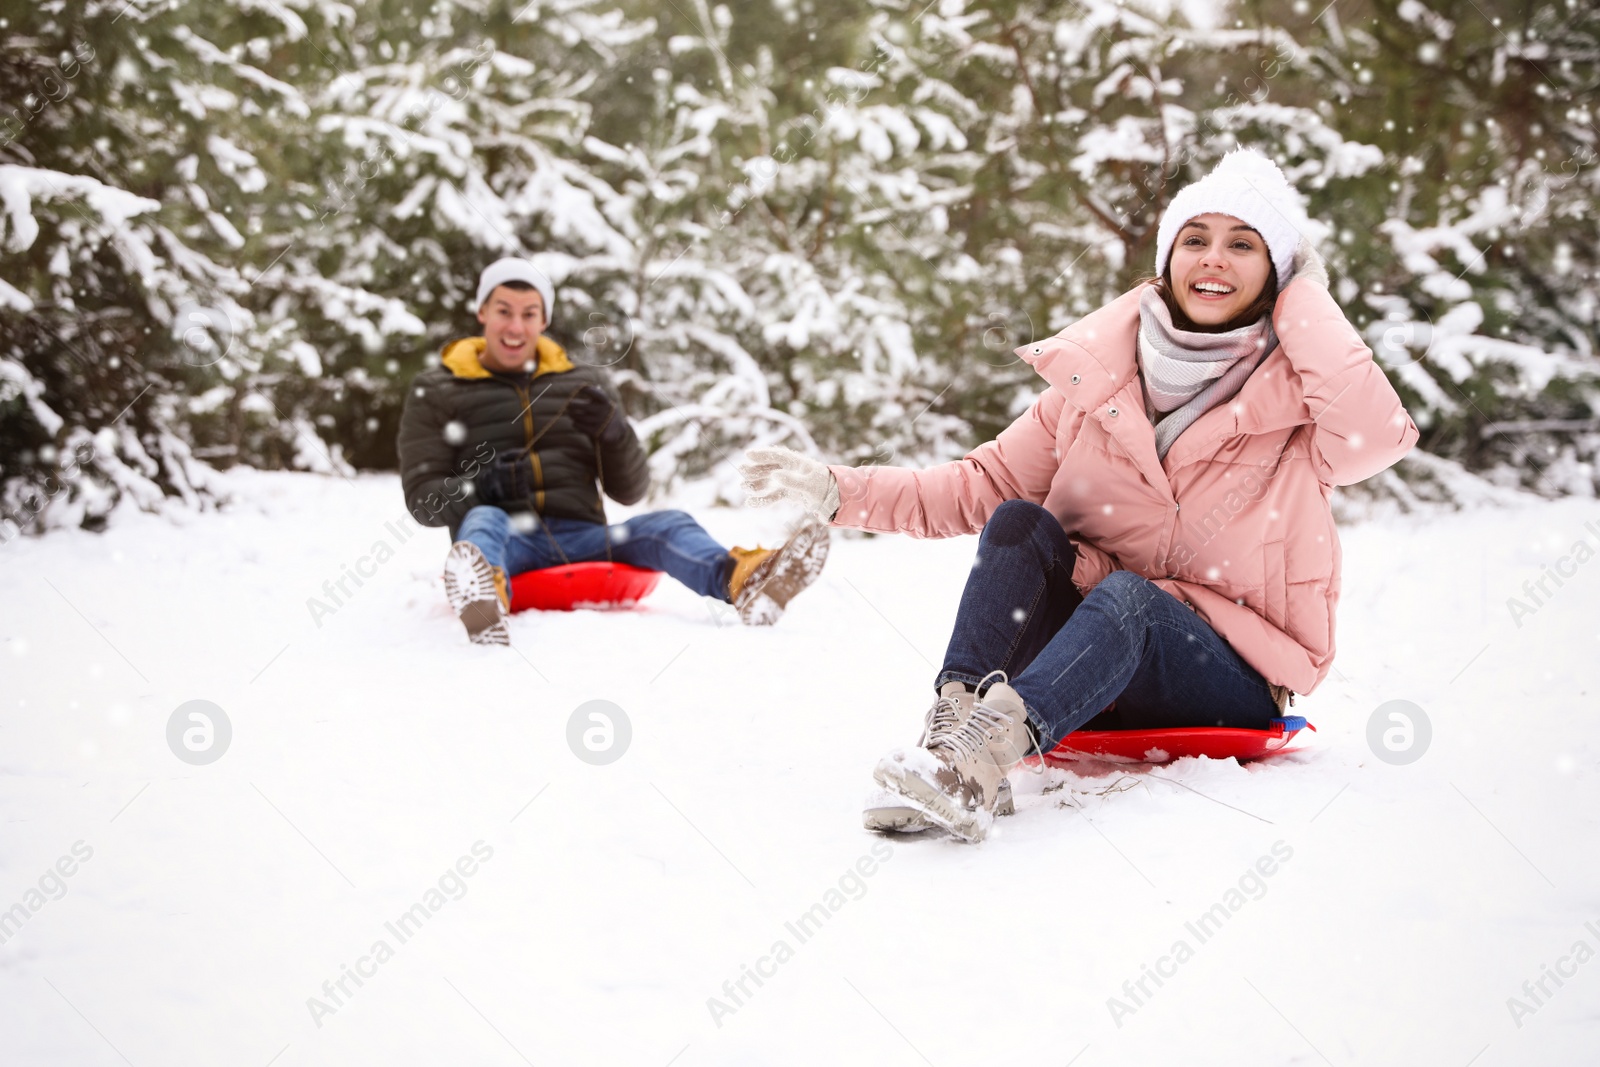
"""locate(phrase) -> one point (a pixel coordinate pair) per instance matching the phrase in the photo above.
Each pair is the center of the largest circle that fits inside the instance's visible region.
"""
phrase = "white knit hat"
(512, 269)
(1251, 188)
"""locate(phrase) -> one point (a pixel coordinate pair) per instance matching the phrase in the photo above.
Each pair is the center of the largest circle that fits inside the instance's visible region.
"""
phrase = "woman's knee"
(1015, 521)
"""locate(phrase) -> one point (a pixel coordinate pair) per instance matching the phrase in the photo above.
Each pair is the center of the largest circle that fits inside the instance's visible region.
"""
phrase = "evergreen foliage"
(232, 231)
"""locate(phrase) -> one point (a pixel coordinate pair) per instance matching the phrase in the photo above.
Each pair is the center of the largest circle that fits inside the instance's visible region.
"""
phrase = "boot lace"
(941, 718)
(971, 737)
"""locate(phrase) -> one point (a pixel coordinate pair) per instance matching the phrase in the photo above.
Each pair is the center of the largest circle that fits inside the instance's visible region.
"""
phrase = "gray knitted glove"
(774, 474)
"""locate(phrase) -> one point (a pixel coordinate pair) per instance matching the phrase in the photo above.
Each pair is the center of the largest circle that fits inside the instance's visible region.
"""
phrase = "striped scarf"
(1187, 373)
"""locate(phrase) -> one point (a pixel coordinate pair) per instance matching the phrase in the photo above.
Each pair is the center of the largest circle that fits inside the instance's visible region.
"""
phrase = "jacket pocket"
(1274, 584)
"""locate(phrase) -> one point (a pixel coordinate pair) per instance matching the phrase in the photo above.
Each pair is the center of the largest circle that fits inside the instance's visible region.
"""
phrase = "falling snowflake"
(1018, 615)
(525, 522)
(454, 432)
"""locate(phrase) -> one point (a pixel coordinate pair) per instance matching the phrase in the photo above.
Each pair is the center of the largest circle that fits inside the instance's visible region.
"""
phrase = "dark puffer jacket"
(460, 417)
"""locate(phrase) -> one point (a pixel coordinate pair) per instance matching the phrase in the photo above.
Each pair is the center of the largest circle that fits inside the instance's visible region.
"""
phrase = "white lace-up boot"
(886, 810)
(954, 779)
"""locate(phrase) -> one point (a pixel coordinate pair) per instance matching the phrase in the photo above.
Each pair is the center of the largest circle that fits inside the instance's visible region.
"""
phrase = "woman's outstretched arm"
(956, 498)
(1361, 426)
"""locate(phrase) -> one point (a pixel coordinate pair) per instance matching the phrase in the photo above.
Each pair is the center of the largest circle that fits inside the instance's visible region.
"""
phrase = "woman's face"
(1219, 267)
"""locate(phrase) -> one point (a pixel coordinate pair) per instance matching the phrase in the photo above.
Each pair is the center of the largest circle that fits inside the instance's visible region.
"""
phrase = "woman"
(1156, 529)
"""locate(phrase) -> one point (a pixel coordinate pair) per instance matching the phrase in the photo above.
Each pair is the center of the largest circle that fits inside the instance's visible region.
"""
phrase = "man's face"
(512, 321)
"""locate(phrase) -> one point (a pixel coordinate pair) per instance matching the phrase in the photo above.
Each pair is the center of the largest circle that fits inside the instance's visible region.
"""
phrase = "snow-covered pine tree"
(478, 140)
(259, 221)
(112, 250)
(1473, 266)
(1041, 142)
(820, 203)
(690, 333)
(150, 188)
(234, 230)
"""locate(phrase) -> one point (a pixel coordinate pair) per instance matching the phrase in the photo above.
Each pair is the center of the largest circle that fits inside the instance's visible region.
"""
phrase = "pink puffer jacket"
(1235, 521)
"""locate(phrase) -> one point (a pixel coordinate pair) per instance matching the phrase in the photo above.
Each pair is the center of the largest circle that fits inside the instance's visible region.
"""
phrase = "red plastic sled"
(582, 585)
(1163, 746)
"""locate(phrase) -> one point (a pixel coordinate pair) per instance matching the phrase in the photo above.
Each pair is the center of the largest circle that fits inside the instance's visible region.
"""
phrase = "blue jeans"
(668, 541)
(1070, 655)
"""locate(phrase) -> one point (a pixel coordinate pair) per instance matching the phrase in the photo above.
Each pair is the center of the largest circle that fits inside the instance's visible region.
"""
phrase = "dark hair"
(517, 285)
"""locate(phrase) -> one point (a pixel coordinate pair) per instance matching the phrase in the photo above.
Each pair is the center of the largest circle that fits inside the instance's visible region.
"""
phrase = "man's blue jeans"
(668, 541)
(1070, 655)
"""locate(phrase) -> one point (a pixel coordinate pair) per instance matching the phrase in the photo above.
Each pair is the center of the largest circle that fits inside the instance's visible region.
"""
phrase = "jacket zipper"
(533, 457)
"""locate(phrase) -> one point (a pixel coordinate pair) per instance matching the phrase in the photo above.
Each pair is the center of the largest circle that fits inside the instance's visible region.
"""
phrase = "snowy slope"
(607, 904)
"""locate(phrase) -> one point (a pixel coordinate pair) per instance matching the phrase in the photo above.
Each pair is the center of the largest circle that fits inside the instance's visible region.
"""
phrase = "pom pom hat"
(1251, 188)
(512, 269)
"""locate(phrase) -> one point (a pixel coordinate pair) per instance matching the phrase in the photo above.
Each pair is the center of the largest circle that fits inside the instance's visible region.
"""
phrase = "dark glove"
(593, 412)
(507, 480)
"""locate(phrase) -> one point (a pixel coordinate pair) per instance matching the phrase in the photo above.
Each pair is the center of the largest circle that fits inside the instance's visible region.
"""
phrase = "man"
(503, 443)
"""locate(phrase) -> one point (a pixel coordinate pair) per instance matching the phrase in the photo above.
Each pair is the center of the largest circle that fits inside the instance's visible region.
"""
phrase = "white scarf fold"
(1187, 373)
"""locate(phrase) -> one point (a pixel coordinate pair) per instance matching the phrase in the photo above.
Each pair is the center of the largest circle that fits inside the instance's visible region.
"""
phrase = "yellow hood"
(464, 357)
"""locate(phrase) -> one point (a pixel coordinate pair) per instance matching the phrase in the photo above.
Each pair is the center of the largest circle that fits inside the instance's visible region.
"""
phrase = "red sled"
(582, 585)
(1164, 746)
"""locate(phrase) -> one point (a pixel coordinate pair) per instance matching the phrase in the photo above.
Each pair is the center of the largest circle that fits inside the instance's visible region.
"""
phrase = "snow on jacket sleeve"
(1361, 427)
(956, 498)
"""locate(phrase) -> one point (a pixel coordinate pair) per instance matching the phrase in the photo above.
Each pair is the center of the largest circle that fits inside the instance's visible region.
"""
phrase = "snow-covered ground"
(604, 907)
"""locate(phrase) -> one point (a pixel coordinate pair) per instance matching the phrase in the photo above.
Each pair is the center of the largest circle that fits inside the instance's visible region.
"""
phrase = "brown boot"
(886, 812)
(764, 580)
(955, 779)
(478, 594)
